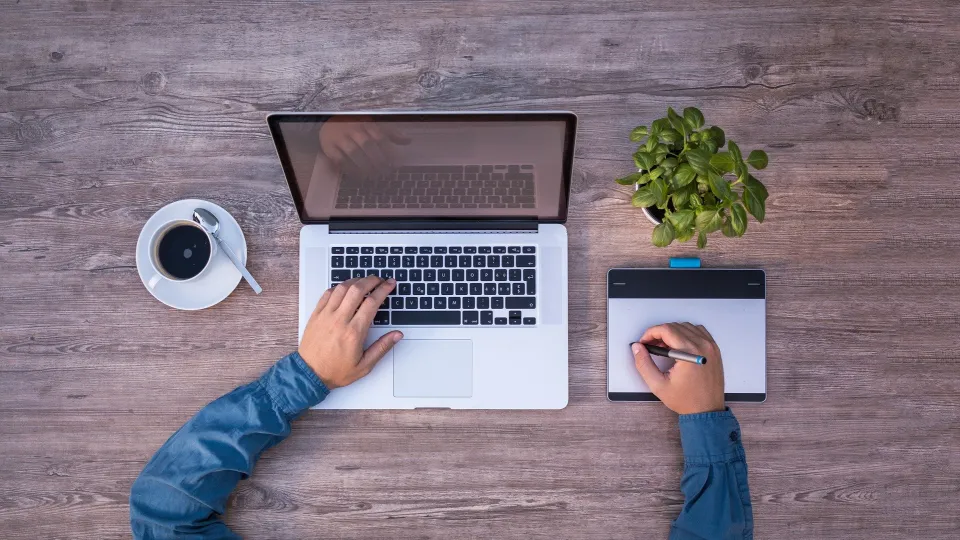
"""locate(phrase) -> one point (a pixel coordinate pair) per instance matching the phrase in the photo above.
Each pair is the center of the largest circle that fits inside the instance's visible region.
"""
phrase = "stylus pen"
(675, 354)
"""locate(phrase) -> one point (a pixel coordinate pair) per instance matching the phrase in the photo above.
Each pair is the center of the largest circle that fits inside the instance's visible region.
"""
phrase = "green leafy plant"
(698, 188)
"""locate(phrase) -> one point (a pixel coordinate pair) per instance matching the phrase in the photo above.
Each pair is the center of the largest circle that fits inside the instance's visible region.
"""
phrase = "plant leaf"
(638, 133)
(738, 219)
(682, 219)
(696, 201)
(699, 159)
(644, 197)
(663, 234)
(701, 240)
(727, 228)
(720, 187)
(734, 151)
(757, 159)
(755, 197)
(693, 116)
(658, 187)
(644, 160)
(675, 120)
(709, 220)
(709, 145)
(717, 136)
(670, 163)
(683, 175)
(630, 179)
(660, 124)
(651, 142)
(671, 136)
(723, 162)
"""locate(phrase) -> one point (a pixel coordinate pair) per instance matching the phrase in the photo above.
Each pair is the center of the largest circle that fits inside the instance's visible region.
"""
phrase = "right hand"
(361, 145)
(332, 343)
(685, 388)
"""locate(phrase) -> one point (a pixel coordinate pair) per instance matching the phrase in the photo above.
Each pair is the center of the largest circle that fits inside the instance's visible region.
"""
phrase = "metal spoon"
(211, 224)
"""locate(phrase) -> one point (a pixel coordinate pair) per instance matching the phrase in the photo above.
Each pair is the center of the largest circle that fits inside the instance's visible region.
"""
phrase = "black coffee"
(183, 251)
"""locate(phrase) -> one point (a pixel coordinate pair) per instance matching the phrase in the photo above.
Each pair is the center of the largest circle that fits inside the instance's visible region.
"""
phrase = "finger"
(396, 136)
(355, 295)
(669, 334)
(689, 330)
(378, 349)
(324, 299)
(706, 333)
(371, 149)
(368, 309)
(649, 371)
(339, 292)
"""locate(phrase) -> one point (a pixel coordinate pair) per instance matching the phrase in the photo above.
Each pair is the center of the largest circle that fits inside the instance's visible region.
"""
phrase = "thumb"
(378, 349)
(651, 374)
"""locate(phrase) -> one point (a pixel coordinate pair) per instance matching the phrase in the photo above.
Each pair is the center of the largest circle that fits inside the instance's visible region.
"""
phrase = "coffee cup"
(180, 251)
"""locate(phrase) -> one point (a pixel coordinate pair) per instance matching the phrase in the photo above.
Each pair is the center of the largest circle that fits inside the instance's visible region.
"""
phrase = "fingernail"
(635, 347)
(397, 336)
(391, 281)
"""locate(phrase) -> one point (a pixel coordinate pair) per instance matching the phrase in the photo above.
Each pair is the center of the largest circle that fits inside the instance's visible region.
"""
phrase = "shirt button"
(734, 436)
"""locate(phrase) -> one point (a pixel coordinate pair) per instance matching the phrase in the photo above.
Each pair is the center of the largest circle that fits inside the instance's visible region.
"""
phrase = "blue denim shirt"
(183, 490)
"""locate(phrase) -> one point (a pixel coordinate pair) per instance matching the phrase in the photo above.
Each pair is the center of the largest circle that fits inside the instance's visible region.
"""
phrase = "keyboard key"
(336, 262)
(496, 302)
(426, 303)
(352, 261)
(493, 261)
(426, 249)
(529, 320)
(423, 261)
(339, 275)
(473, 274)
(400, 275)
(470, 249)
(439, 303)
(405, 289)
(381, 250)
(479, 261)
(401, 318)
(416, 275)
(484, 249)
(518, 289)
(483, 302)
(409, 262)
(450, 261)
(353, 250)
(411, 303)
(443, 274)
(386, 273)
(396, 302)
(440, 250)
(500, 274)
(373, 272)
(526, 261)
(429, 274)
(514, 249)
(393, 261)
(515, 275)
(396, 250)
(436, 261)
(499, 249)
(379, 261)
(419, 289)
(500, 321)
(521, 302)
(410, 250)
(471, 317)
(456, 250)
(453, 302)
(486, 275)
(461, 289)
(366, 250)
(433, 289)
(529, 249)
(503, 289)
(446, 289)
(366, 261)
(465, 261)
(486, 317)
(490, 289)
(336, 250)
(530, 278)
(469, 302)
(513, 322)
(359, 273)
(381, 318)
(458, 275)
(506, 261)
(476, 289)
(515, 314)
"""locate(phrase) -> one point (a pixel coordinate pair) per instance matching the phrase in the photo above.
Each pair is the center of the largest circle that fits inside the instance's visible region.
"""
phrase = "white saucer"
(217, 282)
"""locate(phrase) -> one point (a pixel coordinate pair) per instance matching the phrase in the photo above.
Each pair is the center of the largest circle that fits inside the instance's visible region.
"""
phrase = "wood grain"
(111, 109)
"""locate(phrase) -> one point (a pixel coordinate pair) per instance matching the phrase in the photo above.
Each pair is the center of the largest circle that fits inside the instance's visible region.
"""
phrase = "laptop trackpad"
(433, 368)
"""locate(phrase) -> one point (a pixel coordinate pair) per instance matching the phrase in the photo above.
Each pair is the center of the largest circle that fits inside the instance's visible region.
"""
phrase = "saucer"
(217, 282)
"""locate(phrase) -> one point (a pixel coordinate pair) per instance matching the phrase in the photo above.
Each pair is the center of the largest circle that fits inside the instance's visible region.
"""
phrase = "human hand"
(361, 144)
(685, 388)
(332, 343)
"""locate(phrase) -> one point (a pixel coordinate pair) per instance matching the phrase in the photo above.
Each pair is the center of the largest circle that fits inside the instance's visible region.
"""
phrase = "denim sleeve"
(183, 489)
(714, 484)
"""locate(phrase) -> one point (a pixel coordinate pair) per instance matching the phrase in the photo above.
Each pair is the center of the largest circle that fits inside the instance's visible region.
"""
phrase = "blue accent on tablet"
(684, 262)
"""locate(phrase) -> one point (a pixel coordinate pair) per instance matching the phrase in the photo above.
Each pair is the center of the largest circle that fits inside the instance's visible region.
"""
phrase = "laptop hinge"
(432, 225)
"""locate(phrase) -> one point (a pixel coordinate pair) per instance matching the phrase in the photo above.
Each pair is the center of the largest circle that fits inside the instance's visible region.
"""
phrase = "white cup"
(178, 256)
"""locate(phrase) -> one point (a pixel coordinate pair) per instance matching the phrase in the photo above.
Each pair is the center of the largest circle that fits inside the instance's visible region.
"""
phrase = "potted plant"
(687, 186)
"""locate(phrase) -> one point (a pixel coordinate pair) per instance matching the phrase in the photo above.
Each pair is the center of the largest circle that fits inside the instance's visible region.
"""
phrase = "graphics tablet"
(731, 304)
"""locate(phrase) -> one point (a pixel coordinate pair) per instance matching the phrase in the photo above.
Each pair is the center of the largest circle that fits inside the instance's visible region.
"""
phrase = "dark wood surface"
(109, 110)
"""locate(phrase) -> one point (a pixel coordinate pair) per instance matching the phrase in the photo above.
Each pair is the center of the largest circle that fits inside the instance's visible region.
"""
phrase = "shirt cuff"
(293, 386)
(712, 437)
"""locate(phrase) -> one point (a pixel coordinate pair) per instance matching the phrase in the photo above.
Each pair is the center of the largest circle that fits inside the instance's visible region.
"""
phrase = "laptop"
(466, 211)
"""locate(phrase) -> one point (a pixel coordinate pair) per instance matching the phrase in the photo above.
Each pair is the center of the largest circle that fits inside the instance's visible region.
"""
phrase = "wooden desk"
(109, 110)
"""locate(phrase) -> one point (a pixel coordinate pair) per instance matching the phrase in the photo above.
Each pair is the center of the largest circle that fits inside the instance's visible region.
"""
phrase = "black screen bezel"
(570, 120)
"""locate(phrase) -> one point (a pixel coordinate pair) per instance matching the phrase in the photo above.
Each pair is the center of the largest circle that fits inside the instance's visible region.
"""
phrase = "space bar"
(399, 318)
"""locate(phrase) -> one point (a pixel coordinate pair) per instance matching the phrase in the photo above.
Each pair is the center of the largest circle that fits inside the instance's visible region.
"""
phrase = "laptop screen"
(427, 166)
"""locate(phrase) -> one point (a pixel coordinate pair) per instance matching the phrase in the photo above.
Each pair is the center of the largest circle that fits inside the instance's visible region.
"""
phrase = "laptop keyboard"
(494, 285)
(441, 186)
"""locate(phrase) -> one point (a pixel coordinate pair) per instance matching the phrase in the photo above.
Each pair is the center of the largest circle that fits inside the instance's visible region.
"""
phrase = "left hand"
(332, 343)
